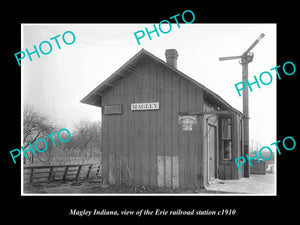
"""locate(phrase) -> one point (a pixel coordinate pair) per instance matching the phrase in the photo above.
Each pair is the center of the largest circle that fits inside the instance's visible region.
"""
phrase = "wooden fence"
(38, 174)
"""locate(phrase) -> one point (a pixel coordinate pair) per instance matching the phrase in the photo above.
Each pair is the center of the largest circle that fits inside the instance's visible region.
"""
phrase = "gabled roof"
(94, 97)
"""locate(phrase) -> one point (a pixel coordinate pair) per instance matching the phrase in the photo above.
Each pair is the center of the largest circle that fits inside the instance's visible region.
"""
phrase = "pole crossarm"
(230, 57)
(245, 59)
(246, 53)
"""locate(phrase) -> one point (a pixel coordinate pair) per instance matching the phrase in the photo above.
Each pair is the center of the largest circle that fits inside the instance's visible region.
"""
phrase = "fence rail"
(38, 174)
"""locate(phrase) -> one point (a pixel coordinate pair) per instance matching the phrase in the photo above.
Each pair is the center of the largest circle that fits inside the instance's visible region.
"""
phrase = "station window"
(226, 138)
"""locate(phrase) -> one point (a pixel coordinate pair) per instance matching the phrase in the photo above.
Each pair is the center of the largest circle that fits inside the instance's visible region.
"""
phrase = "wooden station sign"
(112, 109)
(145, 106)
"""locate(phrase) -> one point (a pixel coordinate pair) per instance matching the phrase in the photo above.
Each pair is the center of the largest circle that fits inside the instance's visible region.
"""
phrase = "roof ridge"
(144, 51)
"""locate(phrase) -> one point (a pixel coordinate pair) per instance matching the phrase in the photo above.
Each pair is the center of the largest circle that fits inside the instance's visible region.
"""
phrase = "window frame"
(224, 139)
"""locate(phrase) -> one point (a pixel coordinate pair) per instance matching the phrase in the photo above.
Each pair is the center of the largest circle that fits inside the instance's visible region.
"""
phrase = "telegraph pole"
(246, 58)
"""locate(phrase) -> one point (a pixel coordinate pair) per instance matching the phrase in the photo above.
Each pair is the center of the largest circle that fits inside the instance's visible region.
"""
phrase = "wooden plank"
(111, 169)
(234, 171)
(149, 97)
(138, 133)
(134, 131)
(168, 171)
(98, 173)
(153, 134)
(160, 122)
(125, 131)
(117, 134)
(168, 127)
(205, 148)
(112, 109)
(50, 174)
(89, 171)
(131, 131)
(120, 170)
(222, 171)
(235, 137)
(31, 175)
(78, 172)
(174, 115)
(65, 172)
(191, 139)
(160, 171)
(104, 144)
(183, 135)
(41, 172)
(199, 139)
(167, 111)
(174, 126)
(200, 112)
(144, 150)
(228, 173)
(175, 171)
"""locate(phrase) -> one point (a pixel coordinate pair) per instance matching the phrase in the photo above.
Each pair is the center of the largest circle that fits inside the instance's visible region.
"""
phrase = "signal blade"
(230, 57)
(254, 43)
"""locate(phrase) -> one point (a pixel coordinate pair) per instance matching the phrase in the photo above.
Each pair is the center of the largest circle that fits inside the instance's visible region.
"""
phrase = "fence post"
(98, 171)
(65, 173)
(50, 174)
(78, 172)
(88, 172)
(31, 175)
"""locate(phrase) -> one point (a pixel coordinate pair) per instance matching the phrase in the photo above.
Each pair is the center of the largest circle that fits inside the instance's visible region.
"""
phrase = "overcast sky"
(54, 84)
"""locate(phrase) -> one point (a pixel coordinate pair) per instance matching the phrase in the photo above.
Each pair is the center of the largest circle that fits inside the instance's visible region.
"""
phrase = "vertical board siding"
(112, 166)
(199, 139)
(175, 169)
(104, 147)
(124, 133)
(168, 171)
(167, 174)
(191, 144)
(130, 131)
(160, 171)
(137, 138)
(153, 134)
(182, 135)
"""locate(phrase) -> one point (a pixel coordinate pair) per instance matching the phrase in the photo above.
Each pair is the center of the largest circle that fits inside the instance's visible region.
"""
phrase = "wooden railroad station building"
(162, 128)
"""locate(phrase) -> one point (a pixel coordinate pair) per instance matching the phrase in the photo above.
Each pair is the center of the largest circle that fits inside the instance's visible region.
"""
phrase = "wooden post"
(31, 175)
(98, 170)
(78, 172)
(244, 62)
(88, 172)
(50, 174)
(65, 173)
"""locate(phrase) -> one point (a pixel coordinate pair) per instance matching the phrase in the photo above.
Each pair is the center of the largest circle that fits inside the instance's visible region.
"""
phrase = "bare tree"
(88, 135)
(35, 125)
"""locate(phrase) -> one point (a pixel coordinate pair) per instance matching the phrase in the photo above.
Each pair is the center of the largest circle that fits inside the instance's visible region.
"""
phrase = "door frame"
(216, 155)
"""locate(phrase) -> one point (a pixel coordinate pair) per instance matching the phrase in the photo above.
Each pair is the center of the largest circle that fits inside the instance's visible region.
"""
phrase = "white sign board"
(145, 106)
(187, 119)
(187, 127)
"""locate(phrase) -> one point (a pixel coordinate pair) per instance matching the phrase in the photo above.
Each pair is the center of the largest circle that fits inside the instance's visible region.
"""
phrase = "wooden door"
(211, 151)
(167, 171)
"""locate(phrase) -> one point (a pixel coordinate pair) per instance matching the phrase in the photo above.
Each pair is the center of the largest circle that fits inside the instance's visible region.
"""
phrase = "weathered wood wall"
(135, 142)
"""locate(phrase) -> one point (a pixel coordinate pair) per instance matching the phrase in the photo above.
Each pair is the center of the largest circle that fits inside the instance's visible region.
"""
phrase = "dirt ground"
(256, 184)
(95, 187)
